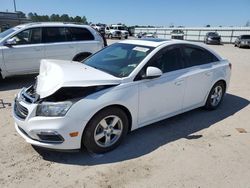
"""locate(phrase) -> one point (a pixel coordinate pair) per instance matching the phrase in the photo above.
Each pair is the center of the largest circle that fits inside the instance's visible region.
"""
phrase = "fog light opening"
(50, 136)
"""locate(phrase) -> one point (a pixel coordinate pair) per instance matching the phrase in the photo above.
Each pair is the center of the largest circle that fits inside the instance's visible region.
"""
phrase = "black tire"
(81, 57)
(126, 37)
(88, 138)
(209, 103)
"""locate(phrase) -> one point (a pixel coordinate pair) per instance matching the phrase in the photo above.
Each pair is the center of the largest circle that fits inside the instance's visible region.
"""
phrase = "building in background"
(11, 19)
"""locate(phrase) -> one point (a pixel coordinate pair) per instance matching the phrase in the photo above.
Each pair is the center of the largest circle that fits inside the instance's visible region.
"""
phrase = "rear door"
(25, 55)
(58, 44)
(84, 41)
(199, 64)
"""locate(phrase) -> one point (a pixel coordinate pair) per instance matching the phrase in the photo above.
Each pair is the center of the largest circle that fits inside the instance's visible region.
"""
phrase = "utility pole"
(14, 5)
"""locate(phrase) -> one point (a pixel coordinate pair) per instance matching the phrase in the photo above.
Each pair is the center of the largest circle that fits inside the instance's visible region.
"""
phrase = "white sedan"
(125, 86)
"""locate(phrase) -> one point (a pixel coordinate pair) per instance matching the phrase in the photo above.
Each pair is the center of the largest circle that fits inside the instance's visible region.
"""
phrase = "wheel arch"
(125, 109)
(81, 54)
(215, 82)
(122, 107)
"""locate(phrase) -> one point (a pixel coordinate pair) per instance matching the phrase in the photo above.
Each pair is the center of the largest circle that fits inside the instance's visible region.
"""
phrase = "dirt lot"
(195, 149)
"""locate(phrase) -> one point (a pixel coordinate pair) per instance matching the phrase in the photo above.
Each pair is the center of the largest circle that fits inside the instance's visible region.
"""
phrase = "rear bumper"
(245, 45)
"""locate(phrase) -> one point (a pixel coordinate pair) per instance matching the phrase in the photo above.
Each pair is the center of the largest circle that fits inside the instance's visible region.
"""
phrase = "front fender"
(127, 97)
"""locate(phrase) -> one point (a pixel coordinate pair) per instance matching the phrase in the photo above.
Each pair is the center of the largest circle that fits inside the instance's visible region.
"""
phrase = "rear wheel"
(106, 130)
(215, 96)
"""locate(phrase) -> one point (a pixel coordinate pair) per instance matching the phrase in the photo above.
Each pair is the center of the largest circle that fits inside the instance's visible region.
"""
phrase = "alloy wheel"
(217, 95)
(108, 131)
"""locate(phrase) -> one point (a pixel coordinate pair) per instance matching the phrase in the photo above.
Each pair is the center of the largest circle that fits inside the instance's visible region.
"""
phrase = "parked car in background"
(242, 41)
(121, 88)
(99, 27)
(110, 32)
(139, 35)
(177, 34)
(121, 28)
(212, 38)
(147, 35)
(22, 47)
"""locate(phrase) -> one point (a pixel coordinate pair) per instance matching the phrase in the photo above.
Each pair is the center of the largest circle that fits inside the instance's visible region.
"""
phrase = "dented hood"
(55, 74)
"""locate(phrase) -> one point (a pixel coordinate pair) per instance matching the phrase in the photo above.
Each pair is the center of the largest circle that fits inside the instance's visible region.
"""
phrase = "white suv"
(22, 47)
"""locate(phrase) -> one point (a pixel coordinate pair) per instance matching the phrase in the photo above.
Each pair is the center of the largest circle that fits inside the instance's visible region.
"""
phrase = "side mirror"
(153, 72)
(10, 42)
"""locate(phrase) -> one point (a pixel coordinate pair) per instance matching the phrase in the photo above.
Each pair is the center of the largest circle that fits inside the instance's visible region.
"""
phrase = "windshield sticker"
(140, 49)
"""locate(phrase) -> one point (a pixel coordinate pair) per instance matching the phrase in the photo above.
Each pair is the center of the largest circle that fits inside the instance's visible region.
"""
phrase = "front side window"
(29, 36)
(54, 34)
(197, 56)
(168, 59)
(119, 59)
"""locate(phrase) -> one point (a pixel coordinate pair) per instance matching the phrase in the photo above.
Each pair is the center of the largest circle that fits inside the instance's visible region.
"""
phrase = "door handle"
(179, 82)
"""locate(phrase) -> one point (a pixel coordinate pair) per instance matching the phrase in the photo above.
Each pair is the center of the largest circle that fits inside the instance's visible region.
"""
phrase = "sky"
(189, 13)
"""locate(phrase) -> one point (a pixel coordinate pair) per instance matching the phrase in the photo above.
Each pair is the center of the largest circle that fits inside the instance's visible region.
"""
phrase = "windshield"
(119, 59)
(121, 28)
(245, 37)
(213, 34)
(6, 33)
(178, 31)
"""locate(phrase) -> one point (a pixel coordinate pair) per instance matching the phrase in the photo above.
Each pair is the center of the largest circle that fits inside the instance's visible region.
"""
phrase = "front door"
(163, 96)
(25, 55)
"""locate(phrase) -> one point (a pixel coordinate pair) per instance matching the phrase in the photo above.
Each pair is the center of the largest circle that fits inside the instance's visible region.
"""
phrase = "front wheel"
(215, 96)
(106, 130)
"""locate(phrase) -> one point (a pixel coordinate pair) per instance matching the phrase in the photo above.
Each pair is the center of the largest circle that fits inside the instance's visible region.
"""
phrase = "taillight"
(230, 66)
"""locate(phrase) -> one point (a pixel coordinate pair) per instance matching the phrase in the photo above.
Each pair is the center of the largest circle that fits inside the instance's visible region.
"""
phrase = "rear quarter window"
(80, 34)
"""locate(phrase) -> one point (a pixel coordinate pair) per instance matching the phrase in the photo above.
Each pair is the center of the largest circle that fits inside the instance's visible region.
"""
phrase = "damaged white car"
(120, 88)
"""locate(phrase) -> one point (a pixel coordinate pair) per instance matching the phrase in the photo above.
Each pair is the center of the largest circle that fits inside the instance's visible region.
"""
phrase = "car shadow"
(17, 82)
(147, 139)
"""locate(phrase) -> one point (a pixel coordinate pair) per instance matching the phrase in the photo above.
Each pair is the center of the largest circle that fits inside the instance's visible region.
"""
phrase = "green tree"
(65, 18)
(84, 20)
(21, 14)
(77, 19)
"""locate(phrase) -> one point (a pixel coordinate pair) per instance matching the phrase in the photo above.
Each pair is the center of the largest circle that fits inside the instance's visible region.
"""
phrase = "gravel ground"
(195, 149)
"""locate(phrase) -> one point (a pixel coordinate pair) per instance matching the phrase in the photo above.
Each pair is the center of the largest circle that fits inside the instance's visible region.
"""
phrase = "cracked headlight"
(53, 109)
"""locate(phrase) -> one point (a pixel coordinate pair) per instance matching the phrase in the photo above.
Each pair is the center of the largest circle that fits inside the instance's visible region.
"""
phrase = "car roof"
(44, 24)
(154, 42)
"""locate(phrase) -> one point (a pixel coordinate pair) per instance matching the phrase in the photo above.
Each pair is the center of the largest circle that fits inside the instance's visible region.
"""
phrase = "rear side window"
(54, 34)
(79, 34)
(197, 56)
